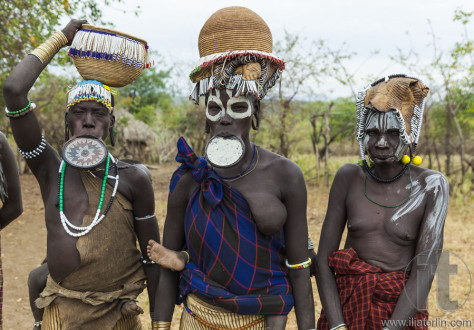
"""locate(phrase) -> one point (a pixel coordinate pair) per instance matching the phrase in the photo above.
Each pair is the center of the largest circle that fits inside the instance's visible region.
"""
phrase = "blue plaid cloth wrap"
(232, 264)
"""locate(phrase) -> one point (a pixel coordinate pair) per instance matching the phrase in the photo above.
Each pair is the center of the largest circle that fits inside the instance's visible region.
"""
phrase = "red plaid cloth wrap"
(367, 294)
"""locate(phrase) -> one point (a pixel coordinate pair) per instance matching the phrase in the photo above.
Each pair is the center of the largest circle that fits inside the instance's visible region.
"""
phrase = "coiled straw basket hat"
(111, 57)
(235, 46)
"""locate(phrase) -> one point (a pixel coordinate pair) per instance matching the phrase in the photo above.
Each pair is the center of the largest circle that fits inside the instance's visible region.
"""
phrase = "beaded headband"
(90, 90)
(401, 93)
(235, 45)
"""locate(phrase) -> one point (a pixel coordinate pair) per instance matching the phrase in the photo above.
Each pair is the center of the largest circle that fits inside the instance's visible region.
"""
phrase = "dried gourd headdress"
(403, 94)
(235, 46)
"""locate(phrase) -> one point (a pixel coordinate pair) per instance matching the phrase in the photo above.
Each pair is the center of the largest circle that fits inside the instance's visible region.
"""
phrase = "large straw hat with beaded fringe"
(234, 28)
(240, 35)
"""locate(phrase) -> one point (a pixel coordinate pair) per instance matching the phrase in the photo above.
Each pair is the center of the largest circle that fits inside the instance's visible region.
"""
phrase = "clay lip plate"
(84, 152)
(224, 151)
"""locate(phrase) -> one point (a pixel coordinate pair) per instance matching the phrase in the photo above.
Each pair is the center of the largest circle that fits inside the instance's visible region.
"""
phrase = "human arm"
(173, 239)
(294, 198)
(13, 206)
(26, 130)
(333, 227)
(146, 226)
(428, 251)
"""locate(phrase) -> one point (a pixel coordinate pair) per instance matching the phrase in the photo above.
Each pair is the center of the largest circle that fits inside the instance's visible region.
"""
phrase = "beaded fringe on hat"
(90, 90)
(222, 73)
(110, 46)
(415, 121)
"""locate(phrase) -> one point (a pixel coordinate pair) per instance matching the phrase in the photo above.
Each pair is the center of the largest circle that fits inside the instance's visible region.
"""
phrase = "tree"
(305, 69)
(448, 116)
(25, 24)
(146, 94)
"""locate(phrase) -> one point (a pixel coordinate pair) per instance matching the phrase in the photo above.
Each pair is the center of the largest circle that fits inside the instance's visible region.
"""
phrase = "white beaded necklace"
(97, 218)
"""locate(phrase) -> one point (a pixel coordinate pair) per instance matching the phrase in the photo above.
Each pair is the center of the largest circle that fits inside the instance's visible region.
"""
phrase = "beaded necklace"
(390, 206)
(81, 231)
(382, 180)
(244, 172)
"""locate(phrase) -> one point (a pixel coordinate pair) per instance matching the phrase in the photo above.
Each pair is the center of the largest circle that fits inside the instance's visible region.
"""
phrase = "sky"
(172, 28)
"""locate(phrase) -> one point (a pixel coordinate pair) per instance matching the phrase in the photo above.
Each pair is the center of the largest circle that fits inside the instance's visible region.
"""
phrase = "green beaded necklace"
(81, 231)
(390, 206)
(102, 193)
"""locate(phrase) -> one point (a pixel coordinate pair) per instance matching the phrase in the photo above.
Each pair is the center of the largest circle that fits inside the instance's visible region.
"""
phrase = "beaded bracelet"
(341, 326)
(29, 107)
(35, 152)
(145, 217)
(302, 265)
(37, 324)
(187, 255)
(146, 261)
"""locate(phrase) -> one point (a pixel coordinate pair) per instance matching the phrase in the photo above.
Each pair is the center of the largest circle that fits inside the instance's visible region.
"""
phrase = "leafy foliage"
(25, 24)
(146, 94)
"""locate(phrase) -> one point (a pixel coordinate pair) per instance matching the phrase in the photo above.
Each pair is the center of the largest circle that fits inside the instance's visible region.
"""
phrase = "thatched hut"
(135, 139)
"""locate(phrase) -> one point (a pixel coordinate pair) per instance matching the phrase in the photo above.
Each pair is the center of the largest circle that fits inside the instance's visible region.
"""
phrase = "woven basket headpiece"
(109, 56)
(403, 94)
(235, 45)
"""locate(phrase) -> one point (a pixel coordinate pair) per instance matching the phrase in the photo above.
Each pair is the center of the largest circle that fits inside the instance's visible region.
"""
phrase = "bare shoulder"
(137, 177)
(350, 169)
(281, 167)
(3, 138)
(134, 170)
(347, 173)
(429, 180)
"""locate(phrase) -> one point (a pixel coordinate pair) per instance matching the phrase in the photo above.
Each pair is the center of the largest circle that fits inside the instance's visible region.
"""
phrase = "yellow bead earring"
(417, 160)
(406, 159)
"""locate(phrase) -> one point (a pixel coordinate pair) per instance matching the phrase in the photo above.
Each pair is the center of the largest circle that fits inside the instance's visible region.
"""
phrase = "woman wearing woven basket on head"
(90, 208)
(240, 213)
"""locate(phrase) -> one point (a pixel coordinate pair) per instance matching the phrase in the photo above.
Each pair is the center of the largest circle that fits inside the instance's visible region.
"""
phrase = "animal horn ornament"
(84, 152)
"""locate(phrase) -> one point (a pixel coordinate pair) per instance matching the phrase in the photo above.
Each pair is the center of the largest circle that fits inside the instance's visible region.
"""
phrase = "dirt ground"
(23, 248)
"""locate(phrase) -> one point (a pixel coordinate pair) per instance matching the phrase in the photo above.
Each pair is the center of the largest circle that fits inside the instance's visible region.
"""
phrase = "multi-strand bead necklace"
(81, 231)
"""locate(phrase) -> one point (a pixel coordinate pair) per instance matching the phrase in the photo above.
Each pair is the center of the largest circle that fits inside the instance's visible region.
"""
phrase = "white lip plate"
(225, 151)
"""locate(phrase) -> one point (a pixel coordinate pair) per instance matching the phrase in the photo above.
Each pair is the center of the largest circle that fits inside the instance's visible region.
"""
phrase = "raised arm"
(146, 226)
(12, 206)
(173, 239)
(294, 197)
(333, 227)
(428, 250)
(25, 127)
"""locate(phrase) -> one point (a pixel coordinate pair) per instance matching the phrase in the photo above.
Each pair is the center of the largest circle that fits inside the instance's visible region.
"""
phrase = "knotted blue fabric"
(211, 185)
(232, 264)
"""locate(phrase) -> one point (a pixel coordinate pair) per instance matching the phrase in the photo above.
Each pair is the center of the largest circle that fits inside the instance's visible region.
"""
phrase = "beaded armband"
(145, 217)
(35, 152)
(302, 265)
(29, 107)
